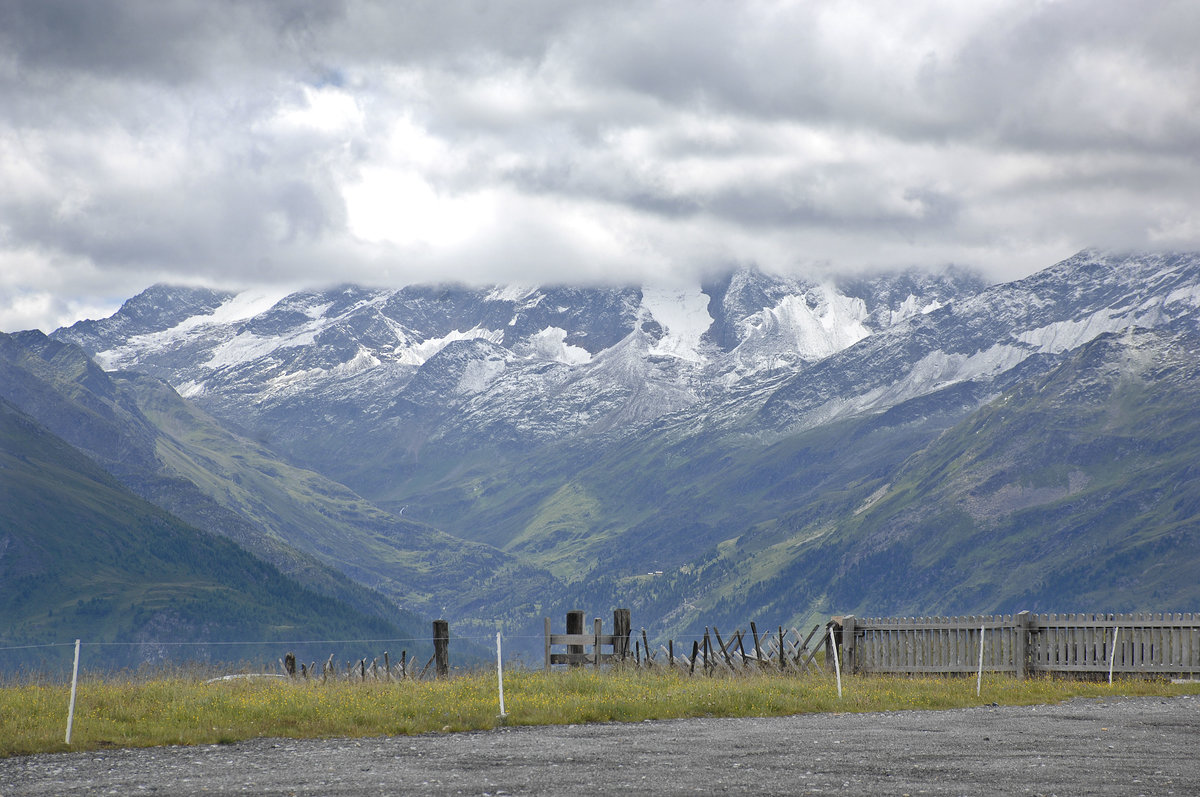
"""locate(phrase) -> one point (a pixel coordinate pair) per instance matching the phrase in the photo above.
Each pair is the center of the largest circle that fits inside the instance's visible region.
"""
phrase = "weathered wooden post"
(621, 631)
(289, 664)
(757, 650)
(832, 628)
(575, 626)
(849, 659)
(1021, 645)
(441, 647)
(597, 628)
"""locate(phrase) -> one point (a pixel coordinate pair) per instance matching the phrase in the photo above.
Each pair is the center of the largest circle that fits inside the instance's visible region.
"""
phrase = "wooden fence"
(785, 651)
(1022, 644)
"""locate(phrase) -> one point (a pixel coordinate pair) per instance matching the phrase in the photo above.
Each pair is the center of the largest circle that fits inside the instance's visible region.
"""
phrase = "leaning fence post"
(836, 667)
(1112, 655)
(74, 683)
(441, 647)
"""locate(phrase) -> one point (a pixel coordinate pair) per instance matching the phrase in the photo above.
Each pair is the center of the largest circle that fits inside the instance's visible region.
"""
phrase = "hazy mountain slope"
(60, 386)
(753, 440)
(82, 557)
(172, 453)
(1076, 490)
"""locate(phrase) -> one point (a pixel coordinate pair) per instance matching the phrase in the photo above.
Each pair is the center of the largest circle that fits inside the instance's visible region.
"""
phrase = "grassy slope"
(83, 557)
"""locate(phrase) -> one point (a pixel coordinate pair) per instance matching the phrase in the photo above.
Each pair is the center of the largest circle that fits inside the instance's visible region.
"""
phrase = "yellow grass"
(187, 710)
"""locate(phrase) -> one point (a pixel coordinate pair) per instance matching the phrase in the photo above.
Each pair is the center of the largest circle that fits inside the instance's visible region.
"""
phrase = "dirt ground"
(1107, 746)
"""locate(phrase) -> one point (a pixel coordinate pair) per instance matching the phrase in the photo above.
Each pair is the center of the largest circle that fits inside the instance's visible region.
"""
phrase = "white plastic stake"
(74, 683)
(1112, 656)
(500, 675)
(837, 667)
(979, 678)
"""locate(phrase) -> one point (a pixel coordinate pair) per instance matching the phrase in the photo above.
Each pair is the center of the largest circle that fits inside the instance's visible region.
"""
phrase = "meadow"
(187, 709)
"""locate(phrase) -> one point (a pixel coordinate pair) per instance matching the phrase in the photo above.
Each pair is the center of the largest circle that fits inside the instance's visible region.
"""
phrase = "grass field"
(185, 709)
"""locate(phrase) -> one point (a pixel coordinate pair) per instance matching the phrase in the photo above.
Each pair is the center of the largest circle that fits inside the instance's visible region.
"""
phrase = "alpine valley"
(754, 448)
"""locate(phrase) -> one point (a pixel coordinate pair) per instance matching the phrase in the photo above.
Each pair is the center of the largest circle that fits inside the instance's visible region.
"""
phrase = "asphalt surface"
(1109, 746)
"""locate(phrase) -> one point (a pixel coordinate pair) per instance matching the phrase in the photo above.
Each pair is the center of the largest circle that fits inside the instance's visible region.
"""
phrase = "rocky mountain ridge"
(728, 439)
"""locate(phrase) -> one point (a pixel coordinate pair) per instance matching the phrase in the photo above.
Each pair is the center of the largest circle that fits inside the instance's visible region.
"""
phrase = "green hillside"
(81, 557)
(176, 456)
(1074, 488)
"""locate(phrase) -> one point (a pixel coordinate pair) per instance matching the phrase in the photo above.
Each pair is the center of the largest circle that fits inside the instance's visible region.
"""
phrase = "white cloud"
(380, 142)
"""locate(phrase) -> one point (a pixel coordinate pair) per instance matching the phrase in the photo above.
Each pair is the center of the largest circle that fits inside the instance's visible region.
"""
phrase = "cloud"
(299, 142)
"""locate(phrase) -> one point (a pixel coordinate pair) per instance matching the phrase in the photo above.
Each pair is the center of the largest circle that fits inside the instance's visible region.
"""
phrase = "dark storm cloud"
(285, 141)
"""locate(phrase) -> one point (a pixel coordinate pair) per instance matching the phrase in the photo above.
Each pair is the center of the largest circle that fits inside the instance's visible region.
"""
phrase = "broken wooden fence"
(743, 652)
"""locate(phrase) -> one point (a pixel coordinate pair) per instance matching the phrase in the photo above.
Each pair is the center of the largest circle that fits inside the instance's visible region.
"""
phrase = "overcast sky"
(294, 142)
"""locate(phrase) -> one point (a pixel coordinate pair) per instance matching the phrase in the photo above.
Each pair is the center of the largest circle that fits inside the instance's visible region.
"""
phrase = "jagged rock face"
(544, 361)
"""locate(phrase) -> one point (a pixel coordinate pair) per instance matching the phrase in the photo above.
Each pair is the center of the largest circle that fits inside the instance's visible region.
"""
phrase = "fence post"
(597, 627)
(1021, 645)
(74, 683)
(575, 626)
(441, 647)
(621, 631)
(849, 659)
(547, 644)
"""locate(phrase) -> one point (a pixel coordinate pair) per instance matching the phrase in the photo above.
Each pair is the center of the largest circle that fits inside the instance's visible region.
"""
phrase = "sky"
(290, 143)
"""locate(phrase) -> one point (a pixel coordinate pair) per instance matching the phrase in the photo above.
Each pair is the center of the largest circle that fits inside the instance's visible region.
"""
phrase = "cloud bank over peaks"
(296, 143)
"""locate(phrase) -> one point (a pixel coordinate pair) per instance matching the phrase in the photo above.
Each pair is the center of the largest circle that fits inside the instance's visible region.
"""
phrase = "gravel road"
(1096, 746)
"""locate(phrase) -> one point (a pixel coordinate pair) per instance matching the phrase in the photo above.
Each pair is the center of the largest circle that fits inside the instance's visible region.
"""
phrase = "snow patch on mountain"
(417, 354)
(551, 344)
(511, 293)
(1063, 336)
(912, 307)
(934, 371)
(800, 327)
(243, 306)
(247, 346)
(240, 307)
(479, 375)
(362, 360)
(683, 315)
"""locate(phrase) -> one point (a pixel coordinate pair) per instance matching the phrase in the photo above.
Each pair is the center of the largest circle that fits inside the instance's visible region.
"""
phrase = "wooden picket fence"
(1022, 644)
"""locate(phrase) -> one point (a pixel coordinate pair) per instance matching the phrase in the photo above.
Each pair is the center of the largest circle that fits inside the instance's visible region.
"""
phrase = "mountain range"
(755, 447)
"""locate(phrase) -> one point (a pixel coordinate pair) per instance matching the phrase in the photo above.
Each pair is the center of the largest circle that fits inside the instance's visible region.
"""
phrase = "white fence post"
(1112, 654)
(836, 666)
(74, 683)
(500, 675)
(979, 678)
